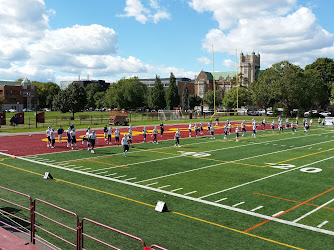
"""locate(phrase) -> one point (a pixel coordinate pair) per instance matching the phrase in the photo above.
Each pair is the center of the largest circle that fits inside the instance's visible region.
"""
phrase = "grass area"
(219, 193)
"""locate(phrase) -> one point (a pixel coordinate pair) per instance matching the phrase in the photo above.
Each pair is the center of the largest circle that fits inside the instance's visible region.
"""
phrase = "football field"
(275, 191)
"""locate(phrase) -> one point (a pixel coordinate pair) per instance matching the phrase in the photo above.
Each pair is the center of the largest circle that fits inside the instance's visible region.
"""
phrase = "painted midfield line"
(196, 199)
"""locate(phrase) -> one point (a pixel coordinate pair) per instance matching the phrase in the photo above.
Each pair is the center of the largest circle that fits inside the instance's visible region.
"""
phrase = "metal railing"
(79, 230)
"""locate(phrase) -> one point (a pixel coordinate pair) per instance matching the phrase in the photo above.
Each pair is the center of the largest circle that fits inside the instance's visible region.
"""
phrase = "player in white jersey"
(92, 140)
(225, 131)
(243, 128)
(130, 140)
(237, 133)
(130, 129)
(86, 137)
(53, 137)
(273, 126)
(73, 139)
(48, 136)
(292, 127)
(109, 135)
(195, 129)
(117, 137)
(254, 130)
(144, 133)
(125, 144)
(264, 123)
(311, 122)
(190, 128)
(209, 127)
(287, 123)
(323, 123)
(229, 126)
(177, 138)
(319, 120)
(154, 134)
(212, 131)
(201, 127)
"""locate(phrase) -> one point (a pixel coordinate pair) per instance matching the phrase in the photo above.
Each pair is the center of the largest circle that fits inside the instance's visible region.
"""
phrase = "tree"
(230, 98)
(172, 96)
(127, 93)
(100, 100)
(76, 97)
(194, 100)
(208, 98)
(60, 101)
(91, 90)
(325, 72)
(46, 91)
(157, 94)
(185, 97)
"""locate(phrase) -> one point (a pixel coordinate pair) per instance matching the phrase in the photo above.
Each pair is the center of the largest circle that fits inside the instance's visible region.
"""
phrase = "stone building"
(249, 69)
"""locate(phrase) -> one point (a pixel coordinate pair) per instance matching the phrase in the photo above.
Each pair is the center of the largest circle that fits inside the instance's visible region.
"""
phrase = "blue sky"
(55, 40)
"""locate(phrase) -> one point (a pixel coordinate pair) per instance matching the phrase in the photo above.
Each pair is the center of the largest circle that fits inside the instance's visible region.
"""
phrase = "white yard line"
(163, 186)
(257, 208)
(274, 215)
(238, 204)
(177, 189)
(291, 223)
(267, 177)
(131, 179)
(322, 224)
(121, 176)
(151, 184)
(221, 200)
(314, 210)
(110, 174)
(223, 163)
(192, 192)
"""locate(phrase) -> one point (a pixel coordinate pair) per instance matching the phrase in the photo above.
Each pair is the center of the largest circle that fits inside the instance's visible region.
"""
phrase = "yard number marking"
(194, 154)
(288, 166)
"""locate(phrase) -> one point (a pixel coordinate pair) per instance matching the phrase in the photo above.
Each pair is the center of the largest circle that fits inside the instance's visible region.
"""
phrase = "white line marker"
(235, 205)
(192, 192)
(257, 208)
(177, 189)
(267, 177)
(62, 163)
(319, 148)
(152, 183)
(221, 200)
(131, 179)
(110, 174)
(274, 215)
(322, 224)
(102, 172)
(84, 169)
(314, 210)
(71, 166)
(121, 176)
(163, 186)
(75, 167)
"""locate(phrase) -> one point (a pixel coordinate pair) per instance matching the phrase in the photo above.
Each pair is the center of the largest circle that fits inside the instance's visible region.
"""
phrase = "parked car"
(269, 113)
(12, 110)
(325, 113)
(314, 113)
(253, 112)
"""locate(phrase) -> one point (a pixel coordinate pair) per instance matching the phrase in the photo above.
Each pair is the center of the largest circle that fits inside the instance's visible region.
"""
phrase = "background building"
(18, 95)
(249, 69)
(84, 83)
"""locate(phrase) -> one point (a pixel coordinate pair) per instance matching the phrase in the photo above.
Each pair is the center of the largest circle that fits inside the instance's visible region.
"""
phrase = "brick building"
(18, 95)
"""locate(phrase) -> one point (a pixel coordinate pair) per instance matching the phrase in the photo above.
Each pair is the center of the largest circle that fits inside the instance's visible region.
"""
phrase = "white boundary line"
(291, 223)
(314, 210)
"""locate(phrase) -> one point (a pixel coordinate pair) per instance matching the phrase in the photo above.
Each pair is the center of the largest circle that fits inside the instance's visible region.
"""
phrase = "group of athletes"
(71, 139)
(90, 138)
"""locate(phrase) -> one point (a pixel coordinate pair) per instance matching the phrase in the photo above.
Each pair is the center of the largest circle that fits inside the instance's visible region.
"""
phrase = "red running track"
(33, 144)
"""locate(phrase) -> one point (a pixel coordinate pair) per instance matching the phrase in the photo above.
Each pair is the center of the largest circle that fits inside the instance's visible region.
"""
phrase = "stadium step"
(9, 241)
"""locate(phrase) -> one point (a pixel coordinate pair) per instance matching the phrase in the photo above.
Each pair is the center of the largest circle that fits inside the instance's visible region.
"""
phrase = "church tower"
(249, 68)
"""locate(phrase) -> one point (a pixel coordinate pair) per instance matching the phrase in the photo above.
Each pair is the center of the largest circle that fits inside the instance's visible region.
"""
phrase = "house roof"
(209, 75)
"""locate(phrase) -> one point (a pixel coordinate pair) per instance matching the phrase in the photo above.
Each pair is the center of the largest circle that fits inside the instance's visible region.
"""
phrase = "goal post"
(170, 115)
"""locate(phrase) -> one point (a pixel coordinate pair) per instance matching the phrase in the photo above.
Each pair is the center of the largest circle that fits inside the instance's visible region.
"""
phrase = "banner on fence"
(40, 117)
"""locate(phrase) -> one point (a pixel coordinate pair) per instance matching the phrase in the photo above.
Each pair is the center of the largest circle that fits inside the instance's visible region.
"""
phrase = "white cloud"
(228, 12)
(296, 37)
(204, 60)
(135, 8)
(229, 64)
